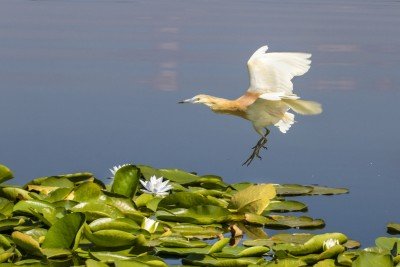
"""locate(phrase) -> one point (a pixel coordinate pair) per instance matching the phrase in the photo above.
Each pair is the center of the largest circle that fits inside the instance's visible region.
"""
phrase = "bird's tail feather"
(285, 123)
(304, 107)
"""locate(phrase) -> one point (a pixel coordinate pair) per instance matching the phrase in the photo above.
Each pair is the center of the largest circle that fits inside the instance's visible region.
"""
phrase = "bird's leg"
(256, 149)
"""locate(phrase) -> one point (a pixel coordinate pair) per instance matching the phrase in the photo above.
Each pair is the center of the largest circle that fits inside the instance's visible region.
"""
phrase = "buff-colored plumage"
(270, 95)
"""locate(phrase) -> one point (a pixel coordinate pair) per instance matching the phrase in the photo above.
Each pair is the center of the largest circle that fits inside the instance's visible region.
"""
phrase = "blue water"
(86, 85)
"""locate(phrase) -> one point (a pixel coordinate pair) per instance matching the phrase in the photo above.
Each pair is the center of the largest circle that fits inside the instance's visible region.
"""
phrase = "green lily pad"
(27, 243)
(292, 189)
(285, 222)
(143, 199)
(11, 223)
(198, 231)
(124, 205)
(387, 243)
(284, 263)
(313, 245)
(37, 233)
(57, 182)
(73, 177)
(295, 238)
(174, 175)
(93, 263)
(205, 260)
(5, 255)
(204, 214)
(58, 194)
(141, 261)
(177, 242)
(325, 263)
(126, 181)
(14, 193)
(56, 253)
(329, 253)
(184, 200)
(322, 190)
(253, 199)
(393, 228)
(285, 206)
(218, 246)
(109, 256)
(6, 207)
(5, 173)
(253, 232)
(373, 259)
(110, 238)
(123, 224)
(96, 210)
(65, 233)
(30, 206)
(240, 252)
(87, 191)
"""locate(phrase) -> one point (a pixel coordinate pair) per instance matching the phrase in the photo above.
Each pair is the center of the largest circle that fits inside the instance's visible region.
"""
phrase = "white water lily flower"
(330, 243)
(149, 225)
(156, 186)
(115, 169)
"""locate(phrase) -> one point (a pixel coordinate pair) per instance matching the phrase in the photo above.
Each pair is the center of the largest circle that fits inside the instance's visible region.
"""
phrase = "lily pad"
(312, 245)
(14, 193)
(388, 243)
(96, 210)
(184, 200)
(27, 243)
(5, 173)
(174, 175)
(285, 206)
(177, 242)
(123, 224)
(253, 199)
(6, 207)
(393, 228)
(29, 206)
(204, 214)
(284, 263)
(285, 222)
(126, 181)
(87, 191)
(199, 231)
(110, 238)
(292, 189)
(322, 190)
(65, 233)
(373, 259)
(205, 260)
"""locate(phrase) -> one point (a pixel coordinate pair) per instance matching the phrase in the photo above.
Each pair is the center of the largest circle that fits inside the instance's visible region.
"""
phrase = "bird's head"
(200, 99)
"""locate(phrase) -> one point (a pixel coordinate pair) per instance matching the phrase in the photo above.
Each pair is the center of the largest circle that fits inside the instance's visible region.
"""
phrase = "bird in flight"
(269, 98)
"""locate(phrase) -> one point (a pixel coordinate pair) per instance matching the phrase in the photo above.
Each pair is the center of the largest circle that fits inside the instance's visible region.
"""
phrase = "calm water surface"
(86, 85)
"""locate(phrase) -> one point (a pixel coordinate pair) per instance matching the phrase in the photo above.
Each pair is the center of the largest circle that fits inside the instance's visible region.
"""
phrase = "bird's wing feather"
(273, 72)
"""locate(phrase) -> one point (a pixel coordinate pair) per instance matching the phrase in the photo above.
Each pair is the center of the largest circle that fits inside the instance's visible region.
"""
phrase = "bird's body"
(270, 94)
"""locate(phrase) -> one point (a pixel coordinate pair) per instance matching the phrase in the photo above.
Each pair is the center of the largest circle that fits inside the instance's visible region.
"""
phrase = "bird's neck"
(226, 106)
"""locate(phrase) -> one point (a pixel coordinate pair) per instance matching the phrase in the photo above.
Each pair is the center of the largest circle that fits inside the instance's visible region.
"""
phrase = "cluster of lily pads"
(161, 217)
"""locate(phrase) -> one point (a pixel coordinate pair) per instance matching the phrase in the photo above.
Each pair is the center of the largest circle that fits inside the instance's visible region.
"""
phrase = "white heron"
(269, 97)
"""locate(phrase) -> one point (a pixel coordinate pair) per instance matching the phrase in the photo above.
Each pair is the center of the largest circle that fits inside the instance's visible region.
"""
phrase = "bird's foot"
(256, 150)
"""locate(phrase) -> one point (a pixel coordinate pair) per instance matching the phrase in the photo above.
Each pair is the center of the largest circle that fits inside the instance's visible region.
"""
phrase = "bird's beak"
(190, 100)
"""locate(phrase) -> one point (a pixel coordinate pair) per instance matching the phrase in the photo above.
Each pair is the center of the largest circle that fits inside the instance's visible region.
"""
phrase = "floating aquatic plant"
(149, 225)
(114, 169)
(75, 219)
(330, 243)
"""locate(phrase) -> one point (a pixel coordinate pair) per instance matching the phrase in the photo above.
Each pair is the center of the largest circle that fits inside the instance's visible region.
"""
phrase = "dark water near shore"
(85, 85)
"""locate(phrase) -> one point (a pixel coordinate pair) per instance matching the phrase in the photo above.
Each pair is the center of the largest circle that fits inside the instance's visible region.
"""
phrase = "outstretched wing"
(273, 72)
